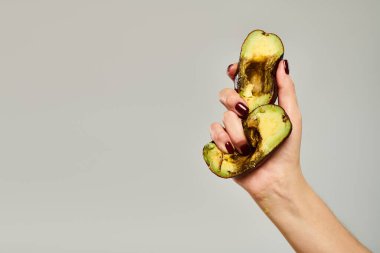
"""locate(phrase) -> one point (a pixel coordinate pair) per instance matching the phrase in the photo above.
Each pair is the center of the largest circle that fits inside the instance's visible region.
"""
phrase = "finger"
(233, 102)
(221, 138)
(287, 98)
(232, 70)
(235, 131)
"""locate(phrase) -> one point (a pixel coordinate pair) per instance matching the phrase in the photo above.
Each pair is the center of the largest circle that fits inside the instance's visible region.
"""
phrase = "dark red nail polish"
(228, 68)
(286, 66)
(245, 149)
(229, 147)
(242, 109)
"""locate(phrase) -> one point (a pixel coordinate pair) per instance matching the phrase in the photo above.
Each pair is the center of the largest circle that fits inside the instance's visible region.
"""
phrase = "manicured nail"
(229, 147)
(286, 66)
(245, 149)
(242, 109)
(228, 68)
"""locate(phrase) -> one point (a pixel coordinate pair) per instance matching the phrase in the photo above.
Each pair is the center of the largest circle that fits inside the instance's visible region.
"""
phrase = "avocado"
(256, 76)
(267, 125)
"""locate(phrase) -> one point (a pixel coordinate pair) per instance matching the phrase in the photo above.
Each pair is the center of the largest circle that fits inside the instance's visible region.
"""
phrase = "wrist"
(301, 216)
(284, 194)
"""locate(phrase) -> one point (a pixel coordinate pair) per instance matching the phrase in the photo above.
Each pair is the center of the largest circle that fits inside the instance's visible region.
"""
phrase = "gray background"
(105, 107)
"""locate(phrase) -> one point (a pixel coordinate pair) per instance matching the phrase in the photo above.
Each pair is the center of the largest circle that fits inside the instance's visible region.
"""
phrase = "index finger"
(233, 102)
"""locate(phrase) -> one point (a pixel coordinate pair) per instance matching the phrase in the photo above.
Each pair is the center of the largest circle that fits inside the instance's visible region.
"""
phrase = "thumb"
(287, 98)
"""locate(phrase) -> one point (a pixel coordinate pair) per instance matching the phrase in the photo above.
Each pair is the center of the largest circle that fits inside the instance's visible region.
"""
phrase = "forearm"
(305, 220)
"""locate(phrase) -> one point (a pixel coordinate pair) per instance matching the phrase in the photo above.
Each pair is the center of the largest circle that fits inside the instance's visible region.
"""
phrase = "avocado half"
(267, 125)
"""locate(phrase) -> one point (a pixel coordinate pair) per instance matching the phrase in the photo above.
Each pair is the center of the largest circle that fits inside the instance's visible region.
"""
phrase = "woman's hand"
(283, 167)
(278, 185)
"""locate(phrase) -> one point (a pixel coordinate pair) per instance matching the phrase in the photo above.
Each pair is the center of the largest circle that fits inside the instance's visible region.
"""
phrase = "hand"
(278, 185)
(283, 167)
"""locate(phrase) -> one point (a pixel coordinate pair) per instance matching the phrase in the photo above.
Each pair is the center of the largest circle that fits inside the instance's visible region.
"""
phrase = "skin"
(278, 186)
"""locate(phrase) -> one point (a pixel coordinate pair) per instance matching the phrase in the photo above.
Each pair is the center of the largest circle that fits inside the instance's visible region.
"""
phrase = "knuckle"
(214, 126)
(229, 101)
(222, 94)
(224, 91)
(228, 115)
(238, 138)
(220, 136)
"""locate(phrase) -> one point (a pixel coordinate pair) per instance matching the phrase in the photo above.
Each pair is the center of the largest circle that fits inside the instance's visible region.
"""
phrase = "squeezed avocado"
(267, 125)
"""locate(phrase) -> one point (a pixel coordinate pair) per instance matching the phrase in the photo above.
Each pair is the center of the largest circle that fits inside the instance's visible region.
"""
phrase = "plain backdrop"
(105, 107)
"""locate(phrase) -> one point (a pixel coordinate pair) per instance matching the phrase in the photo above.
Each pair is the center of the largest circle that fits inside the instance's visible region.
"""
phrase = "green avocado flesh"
(267, 125)
(256, 77)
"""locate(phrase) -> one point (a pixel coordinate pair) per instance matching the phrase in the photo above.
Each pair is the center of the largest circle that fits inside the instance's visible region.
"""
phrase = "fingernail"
(286, 66)
(242, 109)
(245, 149)
(228, 68)
(229, 147)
